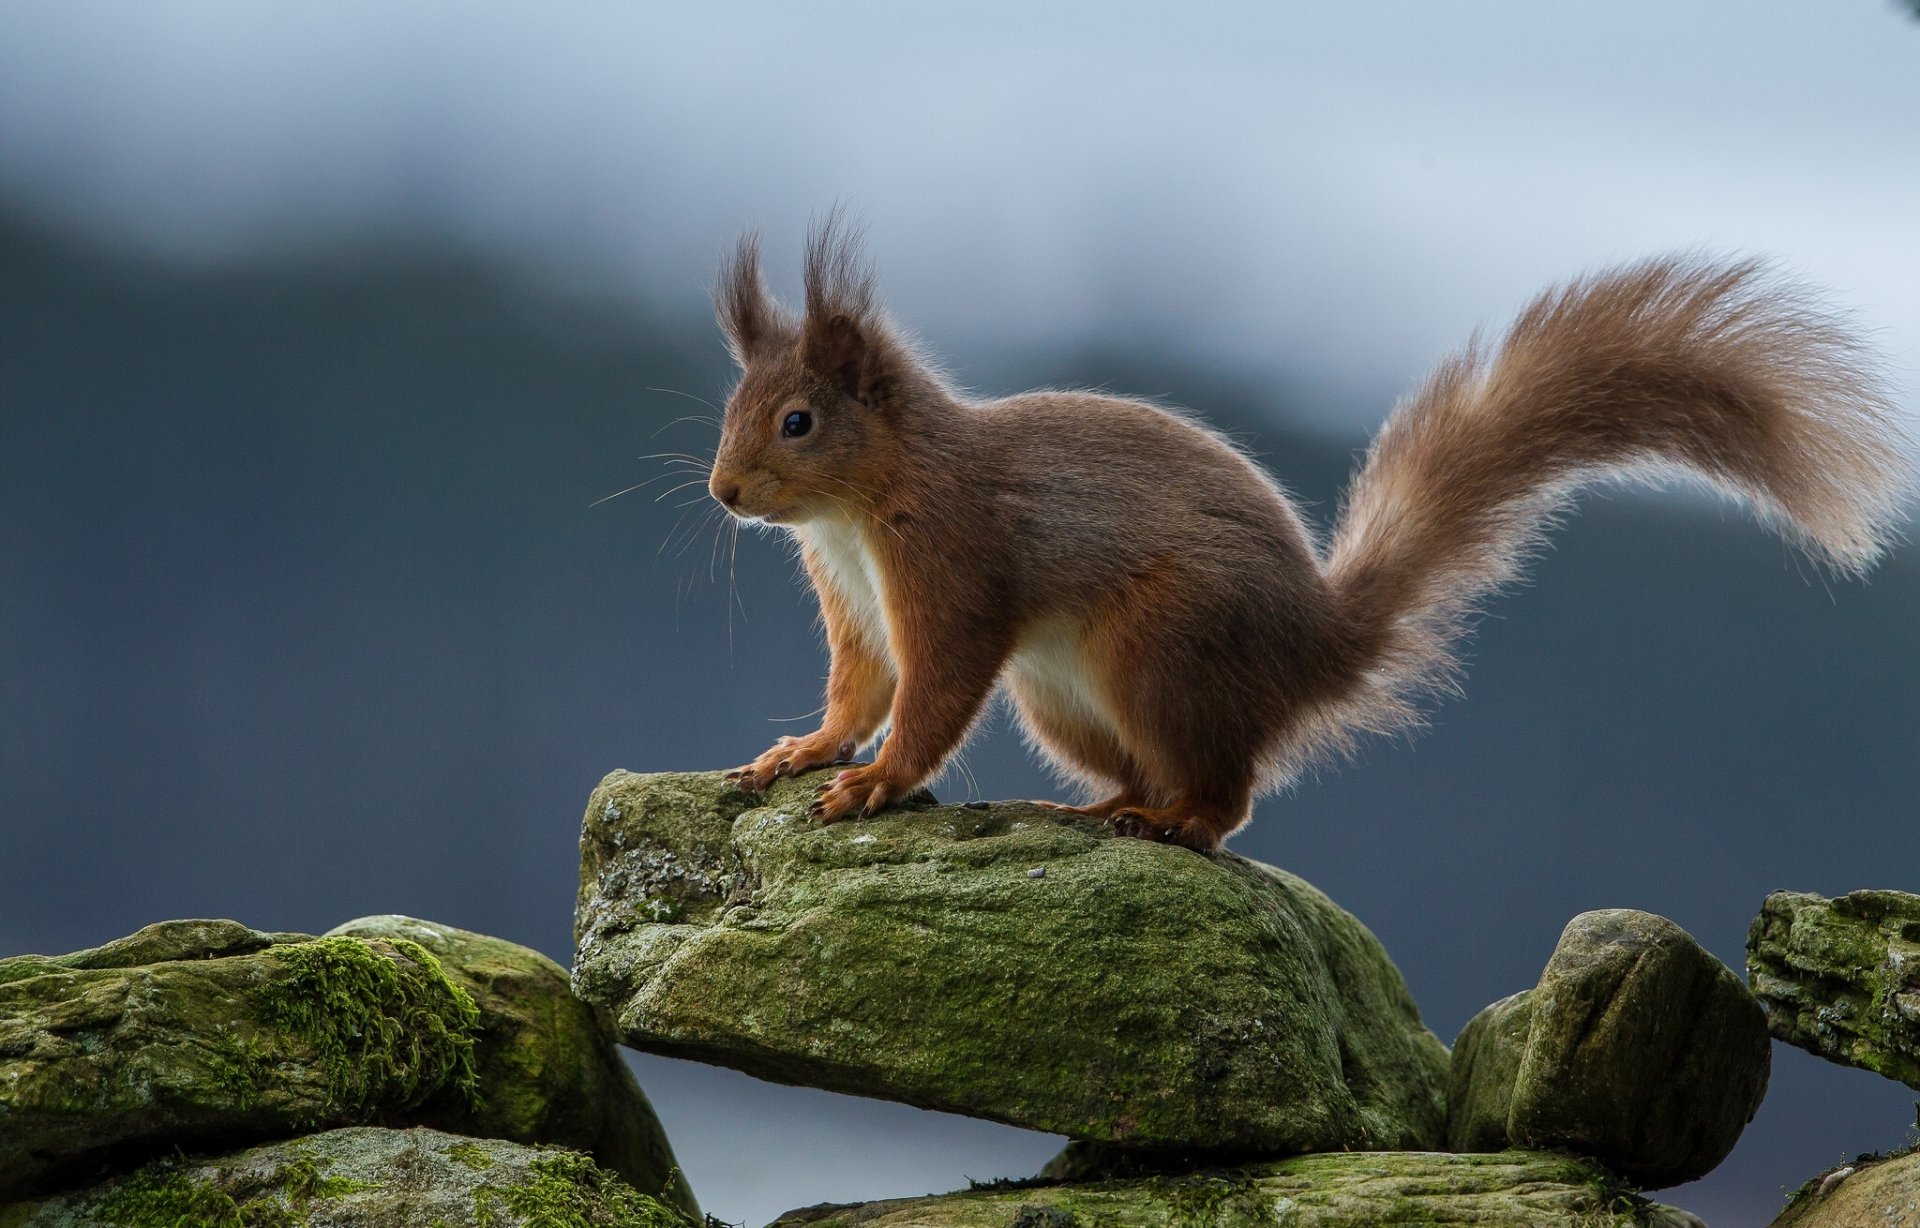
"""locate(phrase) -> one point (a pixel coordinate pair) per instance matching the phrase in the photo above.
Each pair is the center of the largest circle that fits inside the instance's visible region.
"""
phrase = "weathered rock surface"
(1351, 1190)
(360, 1177)
(546, 1067)
(1841, 977)
(1637, 1048)
(194, 1033)
(1868, 1193)
(192, 1030)
(1005, 962)
(1486, 1066)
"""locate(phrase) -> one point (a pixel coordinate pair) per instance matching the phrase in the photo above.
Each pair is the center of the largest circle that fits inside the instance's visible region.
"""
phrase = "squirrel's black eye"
(796, 424)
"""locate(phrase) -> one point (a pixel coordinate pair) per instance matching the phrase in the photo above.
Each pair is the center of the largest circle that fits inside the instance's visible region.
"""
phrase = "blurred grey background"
(323, 329)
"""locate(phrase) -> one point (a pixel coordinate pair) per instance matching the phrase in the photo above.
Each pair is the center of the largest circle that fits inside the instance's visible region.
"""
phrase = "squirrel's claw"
(791, 756)
(1134, 826)
(1192, 829)
(862, 790)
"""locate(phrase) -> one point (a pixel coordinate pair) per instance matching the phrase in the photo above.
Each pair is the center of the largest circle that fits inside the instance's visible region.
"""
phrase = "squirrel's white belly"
(841, 546)
(1048, 665)
(1050, 668)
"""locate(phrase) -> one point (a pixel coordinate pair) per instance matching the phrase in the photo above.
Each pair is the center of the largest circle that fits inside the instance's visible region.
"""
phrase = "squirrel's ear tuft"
(843, 339)
(747, 313)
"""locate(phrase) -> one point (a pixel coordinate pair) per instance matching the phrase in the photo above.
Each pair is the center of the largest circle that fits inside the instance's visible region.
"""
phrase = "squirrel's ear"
(746, 311)
(842, 338)
(840, 349)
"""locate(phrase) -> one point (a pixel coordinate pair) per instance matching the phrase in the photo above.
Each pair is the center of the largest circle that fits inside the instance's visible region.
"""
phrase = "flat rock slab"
(1637, 1048)
(194, 1032)
(1841, 977)
(360, 1177)
(1005, 962)
(1354, 1190)
(1869, 1193)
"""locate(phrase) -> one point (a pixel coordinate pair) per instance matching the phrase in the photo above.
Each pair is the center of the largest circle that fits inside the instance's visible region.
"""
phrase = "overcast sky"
(1334, 191)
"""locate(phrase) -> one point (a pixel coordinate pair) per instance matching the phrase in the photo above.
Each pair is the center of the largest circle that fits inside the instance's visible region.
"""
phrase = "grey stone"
(1637, 1048)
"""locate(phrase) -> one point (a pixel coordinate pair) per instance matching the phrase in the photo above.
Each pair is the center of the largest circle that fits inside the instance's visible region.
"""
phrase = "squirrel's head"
(810, 426)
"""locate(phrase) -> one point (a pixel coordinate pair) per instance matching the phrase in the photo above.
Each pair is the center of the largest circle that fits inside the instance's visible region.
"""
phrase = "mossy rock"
(1342, 1190)
(194, 1030)
(1871, 1192)
(361, 1177)
(546, 1066)
(207, 1033)
(1637, 1048)
(1001, 961)
(1486, 1065)
(1841, 977)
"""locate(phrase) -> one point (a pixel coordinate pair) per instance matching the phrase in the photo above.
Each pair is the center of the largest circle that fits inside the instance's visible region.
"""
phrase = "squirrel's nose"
(727, 492)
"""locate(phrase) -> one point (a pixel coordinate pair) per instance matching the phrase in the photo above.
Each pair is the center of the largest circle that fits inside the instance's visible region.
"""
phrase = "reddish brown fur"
(1152, 601)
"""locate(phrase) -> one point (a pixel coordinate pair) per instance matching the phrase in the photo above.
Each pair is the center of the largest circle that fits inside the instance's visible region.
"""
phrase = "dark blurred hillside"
(306, 612)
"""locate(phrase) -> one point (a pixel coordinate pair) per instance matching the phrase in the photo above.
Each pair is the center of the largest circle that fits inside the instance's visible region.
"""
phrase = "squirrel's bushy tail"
(1720, 369)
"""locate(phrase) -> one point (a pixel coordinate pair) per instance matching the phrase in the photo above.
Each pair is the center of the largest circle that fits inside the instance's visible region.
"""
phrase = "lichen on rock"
(1133, 993)
(360, 1177)
(1841, 977)
(1637, 1048)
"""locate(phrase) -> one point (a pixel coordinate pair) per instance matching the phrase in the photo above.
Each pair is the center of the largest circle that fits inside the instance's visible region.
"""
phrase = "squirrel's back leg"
(1062, 726)
(1203, 669)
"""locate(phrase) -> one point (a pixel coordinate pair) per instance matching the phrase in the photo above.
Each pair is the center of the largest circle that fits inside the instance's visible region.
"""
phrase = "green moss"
(1203, 1200)
(569, 1190)
(239, 1064)
(1614, 1199)
(167, 1195)
(549, 1071)
(302, 1182)
(20, 967)
(161, 1196)
(1829, 974)
(390, 1031)
(471, 1155)
(663, 909)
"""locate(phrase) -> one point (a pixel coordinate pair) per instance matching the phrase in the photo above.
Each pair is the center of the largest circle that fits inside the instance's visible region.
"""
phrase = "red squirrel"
(1170, 632)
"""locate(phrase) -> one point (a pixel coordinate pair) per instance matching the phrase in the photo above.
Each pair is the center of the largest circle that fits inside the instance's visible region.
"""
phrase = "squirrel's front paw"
(790, 757)
(861, 790)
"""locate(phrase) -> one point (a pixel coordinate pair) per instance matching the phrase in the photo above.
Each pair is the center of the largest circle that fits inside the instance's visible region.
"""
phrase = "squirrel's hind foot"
(1200, 828)
(857, 792)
